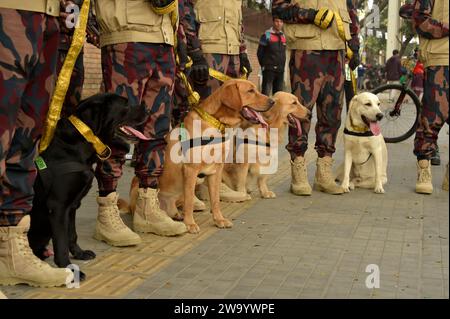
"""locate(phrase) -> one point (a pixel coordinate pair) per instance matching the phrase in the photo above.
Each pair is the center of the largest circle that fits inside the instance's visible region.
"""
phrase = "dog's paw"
(345, 187)
(351, 186)
(223, 223)
(379, 190)
(268, 195)
(193, 228)
(84, 255)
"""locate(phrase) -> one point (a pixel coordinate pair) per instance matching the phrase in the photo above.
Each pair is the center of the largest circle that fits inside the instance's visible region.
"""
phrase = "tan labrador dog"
(233, 103)
(365, 152)
(287, 111)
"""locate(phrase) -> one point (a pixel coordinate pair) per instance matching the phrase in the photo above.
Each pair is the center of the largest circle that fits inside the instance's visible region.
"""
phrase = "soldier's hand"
(354, 61)
(200, 68)
(324, 18)
(245, 63)
(161, 3)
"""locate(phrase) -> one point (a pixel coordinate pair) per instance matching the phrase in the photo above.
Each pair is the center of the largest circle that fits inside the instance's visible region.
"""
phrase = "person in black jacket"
(272, 57)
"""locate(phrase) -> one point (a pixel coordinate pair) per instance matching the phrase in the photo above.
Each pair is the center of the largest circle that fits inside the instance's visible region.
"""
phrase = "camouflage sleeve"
(292, 13)
(424, 24)
(190, 25)
(354, 26)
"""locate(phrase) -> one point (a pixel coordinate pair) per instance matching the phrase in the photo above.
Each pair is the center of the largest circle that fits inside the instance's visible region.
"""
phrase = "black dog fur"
(57, 194)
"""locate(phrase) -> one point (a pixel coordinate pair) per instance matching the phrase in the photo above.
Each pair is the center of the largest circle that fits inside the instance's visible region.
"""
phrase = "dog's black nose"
(380, 116)
(271, 102)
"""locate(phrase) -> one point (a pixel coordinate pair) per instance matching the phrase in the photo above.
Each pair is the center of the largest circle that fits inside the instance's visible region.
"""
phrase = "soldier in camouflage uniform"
(29, 35)
(138, 62)
(188, 47)
(74, 92)
(317, 77)
(431, 23)
(219, 27)
(215, 38)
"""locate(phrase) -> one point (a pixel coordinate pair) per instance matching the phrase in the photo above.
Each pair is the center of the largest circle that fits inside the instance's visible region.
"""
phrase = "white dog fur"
(365, 157)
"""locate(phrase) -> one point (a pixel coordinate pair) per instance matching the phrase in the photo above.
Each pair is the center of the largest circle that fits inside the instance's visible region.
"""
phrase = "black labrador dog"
(65, 173)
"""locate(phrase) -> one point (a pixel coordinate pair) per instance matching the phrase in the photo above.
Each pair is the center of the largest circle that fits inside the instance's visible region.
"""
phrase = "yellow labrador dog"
(365, 152)
(287, 111)
(233, 103)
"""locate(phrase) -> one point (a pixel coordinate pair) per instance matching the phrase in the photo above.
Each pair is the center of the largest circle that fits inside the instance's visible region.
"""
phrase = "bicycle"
(401, 108)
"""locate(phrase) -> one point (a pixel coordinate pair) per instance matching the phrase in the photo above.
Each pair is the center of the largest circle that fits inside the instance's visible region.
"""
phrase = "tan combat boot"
(230, 196)
(110, 227)
(324, 180)
(226, 194)
(299, 183)
(445, 181)
(198, 204)
(18, 264)
(423, 183)
(150, 218)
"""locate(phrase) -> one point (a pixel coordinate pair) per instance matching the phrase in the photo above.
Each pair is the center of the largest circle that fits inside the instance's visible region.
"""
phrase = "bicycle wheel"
(401, 109)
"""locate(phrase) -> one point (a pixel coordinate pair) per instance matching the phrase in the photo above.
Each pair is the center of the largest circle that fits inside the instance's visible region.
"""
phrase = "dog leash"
(102, 150)
(62, 85)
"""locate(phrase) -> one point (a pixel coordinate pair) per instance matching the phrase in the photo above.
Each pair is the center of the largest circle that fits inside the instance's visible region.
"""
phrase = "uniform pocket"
(141, 12)
(211, 23)
(306, 31)
(345, 16)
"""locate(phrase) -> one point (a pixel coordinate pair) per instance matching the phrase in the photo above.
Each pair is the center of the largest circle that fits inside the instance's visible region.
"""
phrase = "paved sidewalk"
(288, 247)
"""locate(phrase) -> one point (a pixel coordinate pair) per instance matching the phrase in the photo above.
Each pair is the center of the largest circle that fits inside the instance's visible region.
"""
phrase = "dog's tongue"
(298, 125)
(252, 114)
(375, 128)
(136, 133)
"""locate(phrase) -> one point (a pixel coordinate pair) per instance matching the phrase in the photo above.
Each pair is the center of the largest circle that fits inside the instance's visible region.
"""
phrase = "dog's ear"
(353, 101)
(231, 96)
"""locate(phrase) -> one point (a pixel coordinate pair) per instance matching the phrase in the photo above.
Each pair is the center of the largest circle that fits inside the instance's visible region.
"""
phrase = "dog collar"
(358, 133)
(103, 151)
(205, 116)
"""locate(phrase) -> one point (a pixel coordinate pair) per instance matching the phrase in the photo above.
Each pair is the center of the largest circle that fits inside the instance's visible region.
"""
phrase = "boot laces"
(114, 217)
(424, 175)
(325, 170)
(299, 170)
(25, 250)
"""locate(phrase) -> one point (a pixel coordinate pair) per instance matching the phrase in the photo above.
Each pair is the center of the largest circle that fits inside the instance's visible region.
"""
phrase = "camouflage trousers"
(227, 64)
(317, 77)
(142, 72)
(180, 101)
(434, 111)
(73, 95)
(28, 56)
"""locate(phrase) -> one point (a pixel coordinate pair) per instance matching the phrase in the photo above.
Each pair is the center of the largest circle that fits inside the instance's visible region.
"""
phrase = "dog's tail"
(124, 206)
(130, 207)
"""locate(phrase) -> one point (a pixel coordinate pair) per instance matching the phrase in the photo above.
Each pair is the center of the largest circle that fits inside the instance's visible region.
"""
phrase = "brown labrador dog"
(286, 111)
(187, 158)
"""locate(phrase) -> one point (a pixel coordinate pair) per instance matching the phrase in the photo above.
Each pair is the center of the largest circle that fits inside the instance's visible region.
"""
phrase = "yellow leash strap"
(223, 77)
(349, 52)
(354, 84)
(358, 129)
(341, 30)
(193, 96)
(103, 151)
(210, 119)
(165, 10)
(57, 101)
(325, 22)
